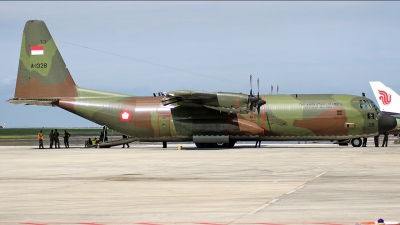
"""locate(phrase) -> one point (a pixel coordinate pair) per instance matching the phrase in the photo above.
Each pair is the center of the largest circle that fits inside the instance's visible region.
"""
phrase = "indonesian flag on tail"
(37, 50)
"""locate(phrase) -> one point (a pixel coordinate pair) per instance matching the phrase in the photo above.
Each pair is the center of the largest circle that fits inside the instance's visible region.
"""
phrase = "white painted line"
(290, 192)
(300, 187)
(258, 209)
(261, 207)
(273, 201)
(320, 174)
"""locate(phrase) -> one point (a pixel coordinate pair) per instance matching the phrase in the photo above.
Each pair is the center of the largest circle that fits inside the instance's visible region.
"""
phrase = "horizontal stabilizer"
(27, 101)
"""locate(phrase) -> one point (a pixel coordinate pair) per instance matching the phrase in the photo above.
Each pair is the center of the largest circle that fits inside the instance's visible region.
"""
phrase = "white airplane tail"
(388, 100)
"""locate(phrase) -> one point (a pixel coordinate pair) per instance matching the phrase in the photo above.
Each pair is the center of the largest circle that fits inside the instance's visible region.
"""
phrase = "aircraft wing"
(190, 98)
(27, 101)
(217, 101)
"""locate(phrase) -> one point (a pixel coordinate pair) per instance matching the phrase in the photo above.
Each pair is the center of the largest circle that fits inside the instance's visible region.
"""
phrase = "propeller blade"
(251, 85)
(261, 102)
(258, 87)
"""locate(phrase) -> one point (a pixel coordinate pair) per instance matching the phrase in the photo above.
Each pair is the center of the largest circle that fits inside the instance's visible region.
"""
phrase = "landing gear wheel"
(203, 145)
(231, 144)
(356, 142)
(220, 145)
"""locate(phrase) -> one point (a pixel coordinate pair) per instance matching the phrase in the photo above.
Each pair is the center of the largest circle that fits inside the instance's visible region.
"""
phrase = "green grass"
(31, 133)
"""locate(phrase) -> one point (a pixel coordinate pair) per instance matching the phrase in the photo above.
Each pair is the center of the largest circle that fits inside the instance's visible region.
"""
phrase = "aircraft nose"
(386, 123)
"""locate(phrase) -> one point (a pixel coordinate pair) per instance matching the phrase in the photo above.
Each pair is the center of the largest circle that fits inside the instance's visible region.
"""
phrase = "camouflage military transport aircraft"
(208, 119)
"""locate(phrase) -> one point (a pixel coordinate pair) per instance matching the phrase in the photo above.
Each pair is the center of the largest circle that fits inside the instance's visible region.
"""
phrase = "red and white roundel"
(125, 116)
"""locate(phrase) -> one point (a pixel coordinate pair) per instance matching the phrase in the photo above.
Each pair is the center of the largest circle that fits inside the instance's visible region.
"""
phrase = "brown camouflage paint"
(282, 117)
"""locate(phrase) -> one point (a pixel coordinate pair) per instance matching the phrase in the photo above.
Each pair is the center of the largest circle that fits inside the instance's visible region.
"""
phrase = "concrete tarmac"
(145, 184)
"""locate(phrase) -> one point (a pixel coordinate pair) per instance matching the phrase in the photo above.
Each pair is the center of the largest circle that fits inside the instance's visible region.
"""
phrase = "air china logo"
(385, 97)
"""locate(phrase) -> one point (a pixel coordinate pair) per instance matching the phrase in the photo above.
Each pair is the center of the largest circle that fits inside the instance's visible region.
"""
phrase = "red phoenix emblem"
(125, 116)
(385, 97)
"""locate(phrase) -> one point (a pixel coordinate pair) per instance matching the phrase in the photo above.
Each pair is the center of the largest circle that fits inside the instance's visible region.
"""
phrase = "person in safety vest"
(40, 138)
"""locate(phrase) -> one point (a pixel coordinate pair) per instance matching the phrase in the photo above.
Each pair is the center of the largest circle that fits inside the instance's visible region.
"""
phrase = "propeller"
(252, 100)
(260, 102)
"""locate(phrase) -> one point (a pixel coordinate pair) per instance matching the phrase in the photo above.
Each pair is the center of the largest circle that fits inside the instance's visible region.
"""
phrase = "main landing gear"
(216, 145)
(356, 142)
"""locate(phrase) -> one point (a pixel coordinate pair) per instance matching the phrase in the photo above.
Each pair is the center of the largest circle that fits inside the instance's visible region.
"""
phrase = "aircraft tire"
(356, 142)
(231, 144)
(203, 145)
(220, 145)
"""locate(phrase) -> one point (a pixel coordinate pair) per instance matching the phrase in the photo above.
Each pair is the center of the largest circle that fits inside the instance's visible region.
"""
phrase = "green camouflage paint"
(44, 79)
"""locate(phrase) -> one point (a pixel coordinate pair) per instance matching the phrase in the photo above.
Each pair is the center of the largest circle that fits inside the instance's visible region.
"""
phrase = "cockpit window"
(365, 104)
(378, 112)
(369, 106)
(362, 104)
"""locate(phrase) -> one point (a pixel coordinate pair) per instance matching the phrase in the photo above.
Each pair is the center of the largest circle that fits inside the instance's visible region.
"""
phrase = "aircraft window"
(362, 105)
(370, 115)
(339, 112)
(367, 105)
(378, 112)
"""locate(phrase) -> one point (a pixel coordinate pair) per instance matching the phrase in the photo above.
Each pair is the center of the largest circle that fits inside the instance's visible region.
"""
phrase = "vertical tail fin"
(42, 72)
(388, 100)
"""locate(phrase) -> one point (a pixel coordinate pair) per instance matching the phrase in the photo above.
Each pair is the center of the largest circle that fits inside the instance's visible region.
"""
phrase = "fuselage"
(283, 117)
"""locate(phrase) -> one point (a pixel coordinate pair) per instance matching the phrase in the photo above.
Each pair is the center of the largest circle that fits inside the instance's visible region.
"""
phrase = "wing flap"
(239, 110)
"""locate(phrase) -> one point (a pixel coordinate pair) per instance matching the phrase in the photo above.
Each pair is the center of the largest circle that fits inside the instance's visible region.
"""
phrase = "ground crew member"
(376, 141)
(127, 144)
(66, 137)
(364, 144)
(103, 136)
(385, 139)
(94, 141)
(40, 138)
(381, 222)
(51, 136)
(56, 140)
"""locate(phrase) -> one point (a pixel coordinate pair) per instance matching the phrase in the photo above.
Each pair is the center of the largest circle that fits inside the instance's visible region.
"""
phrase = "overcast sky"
(143, 47)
